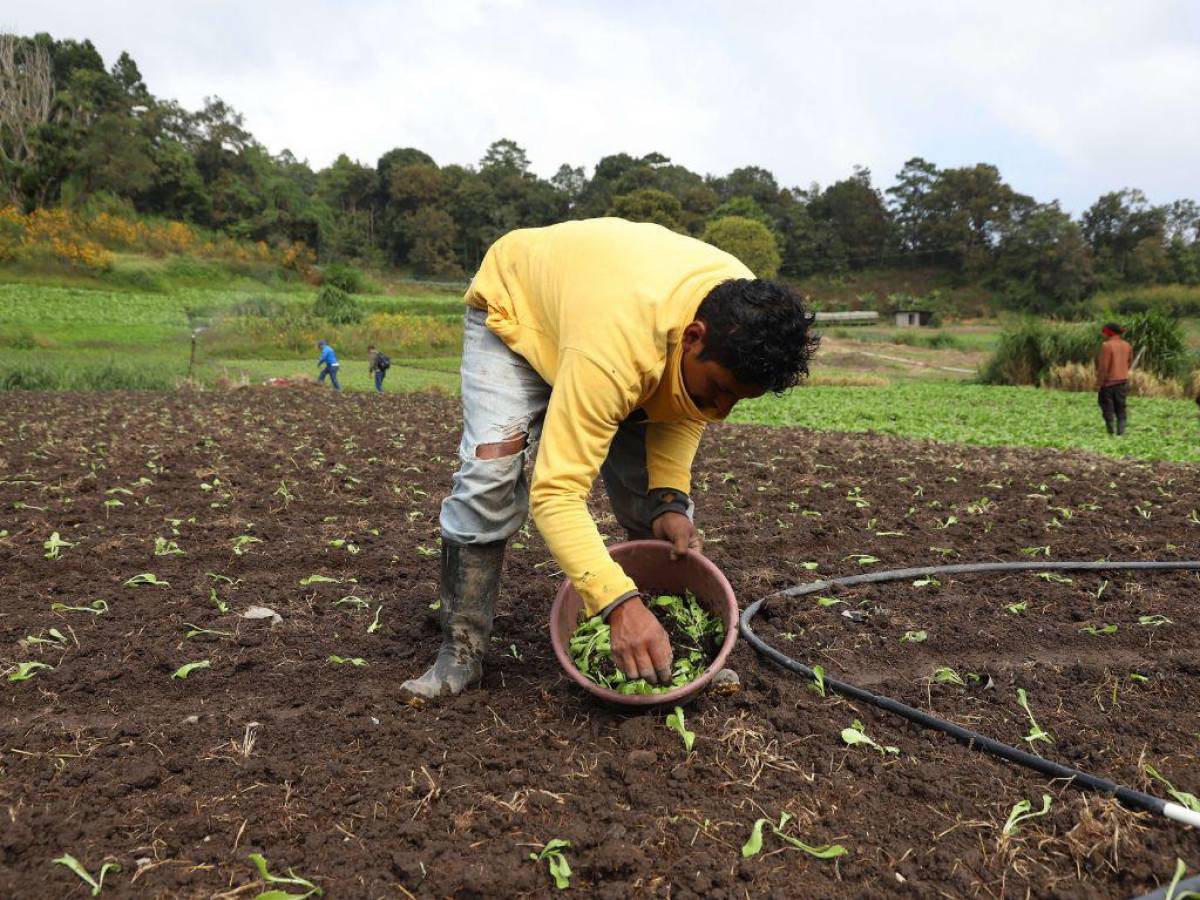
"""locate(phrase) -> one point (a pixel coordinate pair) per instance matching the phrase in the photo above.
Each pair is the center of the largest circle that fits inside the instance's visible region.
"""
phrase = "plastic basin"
(650, 566)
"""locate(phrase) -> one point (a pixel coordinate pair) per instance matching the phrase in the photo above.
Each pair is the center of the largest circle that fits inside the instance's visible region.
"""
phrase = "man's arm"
(585, 408)
(1103, 363)
(670, 450)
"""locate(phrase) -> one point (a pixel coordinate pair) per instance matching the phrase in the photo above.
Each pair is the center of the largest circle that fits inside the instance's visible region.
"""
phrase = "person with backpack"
(379, 364)
(328, 364)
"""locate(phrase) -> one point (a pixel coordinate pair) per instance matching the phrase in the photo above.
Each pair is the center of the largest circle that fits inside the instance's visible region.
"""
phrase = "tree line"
(74, 132)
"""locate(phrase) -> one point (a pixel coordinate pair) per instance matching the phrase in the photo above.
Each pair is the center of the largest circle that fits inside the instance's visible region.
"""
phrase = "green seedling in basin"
(856, 735)
(1036, 732)
(292, 880)
(1181, 797)
(26, 670)
(591, 646)
(346, 660)
(96, 607)
(188, 668)
(754, 843)
(146, 578)
(556, 862)
(1099, 630)
(676, 721)
(97, 883)
(1022, 812)
(54, 546)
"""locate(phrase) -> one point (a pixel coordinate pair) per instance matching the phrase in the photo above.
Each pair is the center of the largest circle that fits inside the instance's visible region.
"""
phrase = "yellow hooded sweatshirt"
(598, 307)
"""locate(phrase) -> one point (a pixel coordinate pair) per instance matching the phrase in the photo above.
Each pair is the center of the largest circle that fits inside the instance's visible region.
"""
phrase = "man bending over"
(612, 343)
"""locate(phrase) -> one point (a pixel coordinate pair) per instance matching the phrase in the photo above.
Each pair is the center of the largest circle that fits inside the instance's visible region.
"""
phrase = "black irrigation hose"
(1128, 797)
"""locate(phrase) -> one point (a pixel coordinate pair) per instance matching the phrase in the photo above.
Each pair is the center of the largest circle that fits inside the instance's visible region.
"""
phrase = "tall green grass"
(41, 376)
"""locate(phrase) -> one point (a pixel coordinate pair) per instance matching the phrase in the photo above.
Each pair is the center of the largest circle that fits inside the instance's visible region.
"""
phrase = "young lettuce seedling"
(556, 861)
(56, 637)
(1036, 733)
(97, 883)
(914, 637)
(54, 545)
(188, 668)
(375, 626)
(946, 675)
(675, 720)
(96, 607)
(346, 660)
(260, 863)
(754, 843)
(163, 547)
(1181, 797)
(146, 578)
(856, 734)
(1095, 631)
(1021, 812)
(818, 685)
(242, 541)
(26, 670)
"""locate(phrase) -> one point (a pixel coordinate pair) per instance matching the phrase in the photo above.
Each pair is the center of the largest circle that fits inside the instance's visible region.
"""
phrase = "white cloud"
(1069, 99)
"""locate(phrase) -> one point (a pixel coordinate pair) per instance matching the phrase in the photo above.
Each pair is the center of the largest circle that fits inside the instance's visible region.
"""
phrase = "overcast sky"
(1069, 99)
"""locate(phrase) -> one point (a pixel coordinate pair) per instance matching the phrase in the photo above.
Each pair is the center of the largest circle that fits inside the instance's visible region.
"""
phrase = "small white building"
(913, 318)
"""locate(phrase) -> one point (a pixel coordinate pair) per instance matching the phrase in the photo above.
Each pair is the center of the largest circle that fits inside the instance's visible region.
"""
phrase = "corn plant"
(754, 843)
(556, 861)
(97, 883)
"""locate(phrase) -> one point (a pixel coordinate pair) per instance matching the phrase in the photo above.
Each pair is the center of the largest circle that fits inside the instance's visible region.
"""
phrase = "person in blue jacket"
(328, 365)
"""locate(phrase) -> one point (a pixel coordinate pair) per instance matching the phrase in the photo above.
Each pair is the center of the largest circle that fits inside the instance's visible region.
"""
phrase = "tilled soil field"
(235, 501)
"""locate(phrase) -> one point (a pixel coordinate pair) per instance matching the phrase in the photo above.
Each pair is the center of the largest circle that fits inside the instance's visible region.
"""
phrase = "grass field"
(72, 334)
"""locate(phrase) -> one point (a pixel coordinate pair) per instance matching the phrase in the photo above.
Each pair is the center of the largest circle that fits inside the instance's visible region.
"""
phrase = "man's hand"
(680, 531)
(640, 646)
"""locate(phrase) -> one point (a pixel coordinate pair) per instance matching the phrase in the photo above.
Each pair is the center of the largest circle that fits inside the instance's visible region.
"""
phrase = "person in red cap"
(1112, 377)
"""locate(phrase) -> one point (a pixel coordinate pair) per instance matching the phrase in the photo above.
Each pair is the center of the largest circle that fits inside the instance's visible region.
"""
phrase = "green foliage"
(749, 240)
(26, 670)
(344, 277)
(591, 648)
(1158, 344)
(754, 843)
(856, 735)
(292, 880)
(188, 668)
(556, 861)
(96, 883)
(676, 721)
(337, 307)
(1022, 811)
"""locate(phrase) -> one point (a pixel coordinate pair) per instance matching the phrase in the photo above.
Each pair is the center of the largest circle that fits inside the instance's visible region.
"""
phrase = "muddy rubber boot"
(470, 583)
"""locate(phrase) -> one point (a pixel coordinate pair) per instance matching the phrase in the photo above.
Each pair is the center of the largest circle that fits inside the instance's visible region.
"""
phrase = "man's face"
(712, 387)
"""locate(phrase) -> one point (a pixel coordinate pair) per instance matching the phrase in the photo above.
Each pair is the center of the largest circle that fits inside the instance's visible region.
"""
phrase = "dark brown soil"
(274, 749)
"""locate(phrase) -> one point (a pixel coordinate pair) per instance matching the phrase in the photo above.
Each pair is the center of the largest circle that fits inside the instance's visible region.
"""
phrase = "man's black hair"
(760, 331)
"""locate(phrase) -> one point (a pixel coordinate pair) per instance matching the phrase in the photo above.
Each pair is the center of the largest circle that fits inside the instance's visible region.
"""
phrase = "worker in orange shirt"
(1112, 377)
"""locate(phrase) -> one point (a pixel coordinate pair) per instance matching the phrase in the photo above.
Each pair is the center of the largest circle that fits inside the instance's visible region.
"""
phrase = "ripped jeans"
(504, 398)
